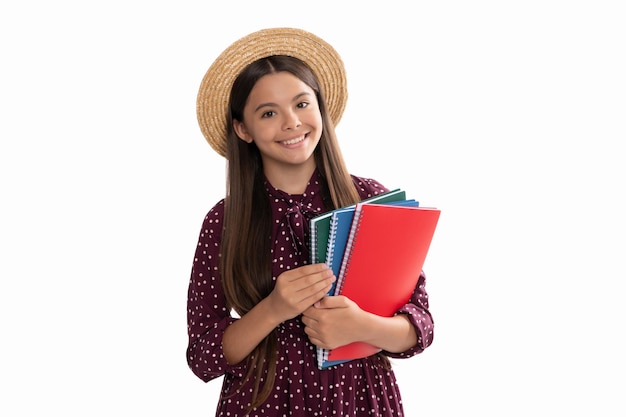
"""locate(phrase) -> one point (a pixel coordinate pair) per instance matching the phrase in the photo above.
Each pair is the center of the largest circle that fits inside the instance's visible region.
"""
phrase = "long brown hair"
(246, 262)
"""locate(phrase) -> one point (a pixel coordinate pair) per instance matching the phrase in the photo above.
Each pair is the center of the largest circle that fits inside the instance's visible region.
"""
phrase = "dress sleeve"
(418, 313)
(207, 314)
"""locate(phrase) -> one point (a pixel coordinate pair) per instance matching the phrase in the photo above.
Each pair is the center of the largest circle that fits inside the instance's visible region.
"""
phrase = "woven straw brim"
(214, 93)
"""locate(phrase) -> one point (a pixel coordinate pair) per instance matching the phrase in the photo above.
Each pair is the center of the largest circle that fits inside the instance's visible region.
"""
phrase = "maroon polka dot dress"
(361, 387)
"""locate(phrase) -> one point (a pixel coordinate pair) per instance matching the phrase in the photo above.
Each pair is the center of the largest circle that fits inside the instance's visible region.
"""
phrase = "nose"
(291, 121)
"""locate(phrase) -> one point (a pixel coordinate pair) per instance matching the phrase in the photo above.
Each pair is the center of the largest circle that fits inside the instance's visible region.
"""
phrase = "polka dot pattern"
(358, 388)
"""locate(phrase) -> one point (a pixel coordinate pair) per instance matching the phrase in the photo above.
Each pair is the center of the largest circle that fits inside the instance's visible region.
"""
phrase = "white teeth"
(293, 141)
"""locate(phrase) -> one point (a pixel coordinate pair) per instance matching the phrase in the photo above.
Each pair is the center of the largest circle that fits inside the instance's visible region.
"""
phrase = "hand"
(334, 321)
(299, 288)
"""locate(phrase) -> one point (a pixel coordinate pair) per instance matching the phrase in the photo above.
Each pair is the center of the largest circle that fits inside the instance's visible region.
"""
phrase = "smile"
(294, 140)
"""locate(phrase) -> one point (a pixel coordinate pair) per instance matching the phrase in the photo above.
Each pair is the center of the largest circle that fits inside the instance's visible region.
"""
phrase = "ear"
(241, 131)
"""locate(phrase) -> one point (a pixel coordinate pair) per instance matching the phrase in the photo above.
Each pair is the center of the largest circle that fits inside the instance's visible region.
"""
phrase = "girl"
(257, 308)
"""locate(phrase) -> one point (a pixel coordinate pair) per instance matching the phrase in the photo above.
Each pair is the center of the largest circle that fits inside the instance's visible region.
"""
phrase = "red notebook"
(384, 257)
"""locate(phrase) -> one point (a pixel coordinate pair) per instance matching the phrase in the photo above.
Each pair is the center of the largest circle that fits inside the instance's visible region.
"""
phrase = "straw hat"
(213, 96)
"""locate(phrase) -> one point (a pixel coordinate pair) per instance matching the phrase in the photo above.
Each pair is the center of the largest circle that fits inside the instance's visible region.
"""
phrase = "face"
(282, 118)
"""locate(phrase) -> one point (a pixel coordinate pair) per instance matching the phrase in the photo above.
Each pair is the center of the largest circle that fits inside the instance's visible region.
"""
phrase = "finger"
(313, 294)
(307, 275)
(313, 335)
(315, 270)
(316, 285)
(331, 301)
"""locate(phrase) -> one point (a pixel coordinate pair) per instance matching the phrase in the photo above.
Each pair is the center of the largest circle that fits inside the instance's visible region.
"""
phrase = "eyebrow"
(270, 104)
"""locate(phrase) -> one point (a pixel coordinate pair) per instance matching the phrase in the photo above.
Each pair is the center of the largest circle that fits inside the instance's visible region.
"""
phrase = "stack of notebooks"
(376, 249)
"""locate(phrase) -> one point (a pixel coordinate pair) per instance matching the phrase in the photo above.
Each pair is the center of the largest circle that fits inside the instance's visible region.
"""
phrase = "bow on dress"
(297, 211)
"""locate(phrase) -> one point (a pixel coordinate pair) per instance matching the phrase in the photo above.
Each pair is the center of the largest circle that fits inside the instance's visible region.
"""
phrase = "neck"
(292, 180)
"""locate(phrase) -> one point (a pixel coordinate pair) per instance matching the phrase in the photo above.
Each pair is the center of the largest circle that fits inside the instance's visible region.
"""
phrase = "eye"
(302, 104)
(268, 114)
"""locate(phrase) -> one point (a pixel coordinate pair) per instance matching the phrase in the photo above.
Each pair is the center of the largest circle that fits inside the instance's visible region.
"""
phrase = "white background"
(509, 116)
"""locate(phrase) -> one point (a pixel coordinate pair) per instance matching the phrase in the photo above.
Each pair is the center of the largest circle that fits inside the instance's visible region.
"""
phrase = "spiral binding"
(332, 235)
(312, 254)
